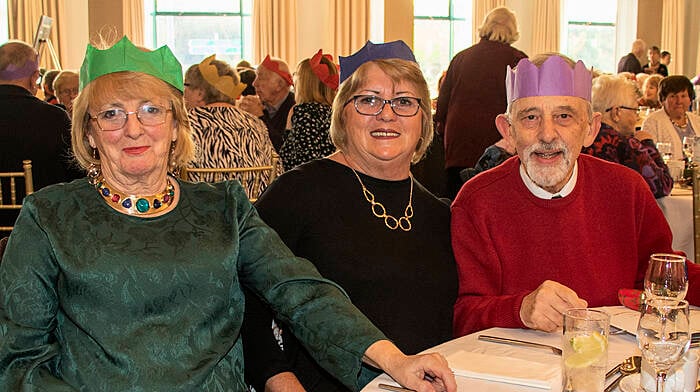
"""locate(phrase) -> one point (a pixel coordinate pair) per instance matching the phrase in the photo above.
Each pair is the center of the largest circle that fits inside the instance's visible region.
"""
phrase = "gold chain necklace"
(380, 212)
(685, 122)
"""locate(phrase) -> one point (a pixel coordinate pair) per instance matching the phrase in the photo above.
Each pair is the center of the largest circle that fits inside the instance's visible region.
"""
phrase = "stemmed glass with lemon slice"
(585, 350)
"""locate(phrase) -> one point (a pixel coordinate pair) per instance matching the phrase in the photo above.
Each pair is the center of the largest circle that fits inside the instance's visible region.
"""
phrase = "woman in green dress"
(131, 279)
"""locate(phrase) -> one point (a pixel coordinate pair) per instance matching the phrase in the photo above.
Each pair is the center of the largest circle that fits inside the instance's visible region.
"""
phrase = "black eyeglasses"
(114, 119)
(372, 105)
(622, 107)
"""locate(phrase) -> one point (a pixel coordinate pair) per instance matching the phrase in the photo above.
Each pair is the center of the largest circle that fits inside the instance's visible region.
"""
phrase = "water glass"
(666, 276)
(663, 335)
(584, 350)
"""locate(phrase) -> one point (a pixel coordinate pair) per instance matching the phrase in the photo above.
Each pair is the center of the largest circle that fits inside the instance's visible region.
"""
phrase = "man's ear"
(503, 125)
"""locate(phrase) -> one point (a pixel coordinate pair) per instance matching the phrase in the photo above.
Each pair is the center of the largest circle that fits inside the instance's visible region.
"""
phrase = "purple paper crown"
(369, 52)
(554, 77)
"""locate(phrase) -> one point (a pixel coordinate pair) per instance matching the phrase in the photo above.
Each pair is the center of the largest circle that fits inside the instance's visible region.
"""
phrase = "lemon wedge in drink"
(587, 350)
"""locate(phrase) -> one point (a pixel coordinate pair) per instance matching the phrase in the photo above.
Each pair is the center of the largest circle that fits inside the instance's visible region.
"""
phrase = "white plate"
(631, 383)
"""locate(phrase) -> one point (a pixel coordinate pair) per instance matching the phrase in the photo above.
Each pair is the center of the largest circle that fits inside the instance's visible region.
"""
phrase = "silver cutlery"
(496, 339)
(629, 366)
(395, 389)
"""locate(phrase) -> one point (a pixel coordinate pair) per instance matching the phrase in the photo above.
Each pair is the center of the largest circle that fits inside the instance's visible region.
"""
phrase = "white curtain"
(349, 24)
(672, 37)
(133, 20)
(546, 22)
(274, 30)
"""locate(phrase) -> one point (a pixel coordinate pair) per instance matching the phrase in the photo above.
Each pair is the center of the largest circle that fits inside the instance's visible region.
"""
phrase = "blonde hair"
(500, 25)
(128, 85)
(398, 71)
(309, 88)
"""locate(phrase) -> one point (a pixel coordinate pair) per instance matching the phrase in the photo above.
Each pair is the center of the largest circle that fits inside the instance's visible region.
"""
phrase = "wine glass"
(663, 335)
(688, 147)
(665, 150)
(666, 276)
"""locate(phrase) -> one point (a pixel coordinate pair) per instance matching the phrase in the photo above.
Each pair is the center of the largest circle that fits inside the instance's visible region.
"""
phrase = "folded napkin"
(503, 369)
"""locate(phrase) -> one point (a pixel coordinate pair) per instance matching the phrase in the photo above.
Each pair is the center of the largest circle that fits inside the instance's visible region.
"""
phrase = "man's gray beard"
(547, 177)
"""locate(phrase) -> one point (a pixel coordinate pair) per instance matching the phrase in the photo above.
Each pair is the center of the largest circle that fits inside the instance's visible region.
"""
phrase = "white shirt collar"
(543, 194)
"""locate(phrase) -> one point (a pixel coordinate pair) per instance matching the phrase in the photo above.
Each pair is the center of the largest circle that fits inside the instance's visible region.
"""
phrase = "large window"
(441, 29)
(196, 29)
(589, 32)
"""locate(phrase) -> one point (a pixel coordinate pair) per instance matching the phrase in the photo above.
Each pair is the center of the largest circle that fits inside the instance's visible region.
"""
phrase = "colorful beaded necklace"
(134, 204)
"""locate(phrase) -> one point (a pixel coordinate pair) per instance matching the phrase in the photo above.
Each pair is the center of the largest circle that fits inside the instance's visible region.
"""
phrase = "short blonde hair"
(398, 71)
(500, 25)
(309, 88)
(127, 85)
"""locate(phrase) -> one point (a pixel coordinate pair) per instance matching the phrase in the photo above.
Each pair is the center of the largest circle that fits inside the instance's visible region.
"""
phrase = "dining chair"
(3, 244)
(8, 180)
(253, 179)
(696, 213)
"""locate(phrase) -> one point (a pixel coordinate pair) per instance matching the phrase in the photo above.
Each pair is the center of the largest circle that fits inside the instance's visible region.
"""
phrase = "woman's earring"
(172, 163)
(94, 170)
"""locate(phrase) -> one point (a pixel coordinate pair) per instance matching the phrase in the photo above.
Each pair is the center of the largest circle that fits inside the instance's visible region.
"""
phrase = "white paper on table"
(503, 369)
(628, 319)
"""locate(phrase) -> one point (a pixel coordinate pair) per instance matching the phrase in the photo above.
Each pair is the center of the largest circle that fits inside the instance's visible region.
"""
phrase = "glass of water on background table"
(585, 350)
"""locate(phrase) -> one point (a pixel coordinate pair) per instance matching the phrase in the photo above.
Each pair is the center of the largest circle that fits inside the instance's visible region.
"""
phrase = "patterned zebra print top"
(226, 136)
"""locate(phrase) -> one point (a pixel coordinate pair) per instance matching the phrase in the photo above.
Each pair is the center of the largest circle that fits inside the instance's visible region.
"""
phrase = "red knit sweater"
(596, 240)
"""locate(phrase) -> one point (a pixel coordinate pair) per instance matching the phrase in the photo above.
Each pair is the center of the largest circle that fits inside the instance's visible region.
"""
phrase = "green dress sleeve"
(28, 307)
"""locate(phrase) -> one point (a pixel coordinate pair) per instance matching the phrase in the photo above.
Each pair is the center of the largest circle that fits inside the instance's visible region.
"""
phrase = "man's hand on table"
(543, 308)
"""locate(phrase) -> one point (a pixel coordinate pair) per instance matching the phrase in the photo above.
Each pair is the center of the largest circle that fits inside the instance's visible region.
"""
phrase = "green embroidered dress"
(95, 300)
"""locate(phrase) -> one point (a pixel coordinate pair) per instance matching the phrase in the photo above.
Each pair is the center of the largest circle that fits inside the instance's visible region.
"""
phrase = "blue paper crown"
(369, 52)
(125, 56)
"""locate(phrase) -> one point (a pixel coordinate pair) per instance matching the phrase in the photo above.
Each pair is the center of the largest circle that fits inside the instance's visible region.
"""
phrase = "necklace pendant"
(142, 205)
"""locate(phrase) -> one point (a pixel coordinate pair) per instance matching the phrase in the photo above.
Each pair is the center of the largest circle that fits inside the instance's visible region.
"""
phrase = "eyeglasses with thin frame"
(115, 119)
(372, 105)
(622, 107)
(69, 91)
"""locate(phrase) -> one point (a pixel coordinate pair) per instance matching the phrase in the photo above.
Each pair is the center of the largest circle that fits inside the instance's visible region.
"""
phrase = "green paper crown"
(125, 56)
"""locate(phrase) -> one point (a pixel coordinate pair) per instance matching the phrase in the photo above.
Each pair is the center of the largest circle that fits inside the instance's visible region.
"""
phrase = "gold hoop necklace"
(380, 212)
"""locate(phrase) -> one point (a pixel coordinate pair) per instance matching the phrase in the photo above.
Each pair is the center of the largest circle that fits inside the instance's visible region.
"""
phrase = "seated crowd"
(119, 274)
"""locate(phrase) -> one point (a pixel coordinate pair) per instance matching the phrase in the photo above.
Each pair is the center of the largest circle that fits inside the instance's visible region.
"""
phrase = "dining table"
(678, 210)
(541, 365)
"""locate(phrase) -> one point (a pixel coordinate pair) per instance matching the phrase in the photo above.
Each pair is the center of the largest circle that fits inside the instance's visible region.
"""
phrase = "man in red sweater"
(550, 229)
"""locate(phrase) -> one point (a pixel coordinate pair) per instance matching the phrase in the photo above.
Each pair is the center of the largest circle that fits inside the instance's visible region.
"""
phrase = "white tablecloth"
(678, 210)
(619, 348)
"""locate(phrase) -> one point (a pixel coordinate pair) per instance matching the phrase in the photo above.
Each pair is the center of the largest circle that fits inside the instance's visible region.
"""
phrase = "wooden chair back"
(8, 180)
(696, 214)
(252, 182)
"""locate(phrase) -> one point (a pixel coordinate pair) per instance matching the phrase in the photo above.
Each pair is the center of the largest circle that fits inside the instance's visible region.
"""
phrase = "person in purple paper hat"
(550, 228)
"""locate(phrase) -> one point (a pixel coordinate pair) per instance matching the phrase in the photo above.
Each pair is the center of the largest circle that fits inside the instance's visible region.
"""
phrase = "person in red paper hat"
(315, 85)
(274, 99)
